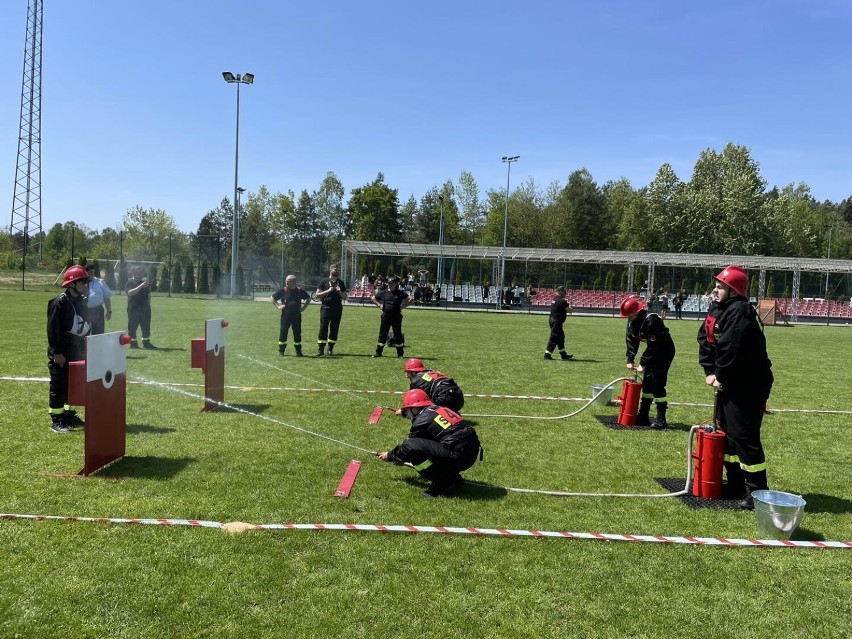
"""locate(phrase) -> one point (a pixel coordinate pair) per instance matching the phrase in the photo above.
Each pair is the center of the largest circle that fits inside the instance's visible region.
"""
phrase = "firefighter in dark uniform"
(139, 307)
(332, 293)
(656, 359)
(558, 312)
(291, 301)
(732, 351)
(66, 332)
(391, 301)
(439, 445)
(442, 390)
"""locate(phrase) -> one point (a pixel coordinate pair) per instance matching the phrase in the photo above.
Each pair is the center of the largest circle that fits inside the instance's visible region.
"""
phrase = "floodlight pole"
(830, 229)
(230, 78)
(508, 160)
(441, 241)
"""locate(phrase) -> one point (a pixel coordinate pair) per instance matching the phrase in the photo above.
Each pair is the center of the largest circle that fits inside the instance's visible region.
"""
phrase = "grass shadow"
(148, 467)
(256, 409)
(138, 429)
(472, 491)
(819, 503)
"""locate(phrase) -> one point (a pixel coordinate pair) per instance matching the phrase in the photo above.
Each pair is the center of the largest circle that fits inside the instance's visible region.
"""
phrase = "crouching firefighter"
(656, 359)
(442, 390)
(439, 446)
(732, 351)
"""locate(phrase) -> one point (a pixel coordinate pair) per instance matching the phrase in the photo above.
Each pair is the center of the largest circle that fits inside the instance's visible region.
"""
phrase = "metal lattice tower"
(26, 201)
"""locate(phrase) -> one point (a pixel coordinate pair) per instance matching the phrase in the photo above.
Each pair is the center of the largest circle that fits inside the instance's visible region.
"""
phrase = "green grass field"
(66, 579)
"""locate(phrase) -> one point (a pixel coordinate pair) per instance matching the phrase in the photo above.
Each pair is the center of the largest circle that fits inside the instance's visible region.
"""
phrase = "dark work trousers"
(391, 321)
(557, 336)
(58, 395)
(96, 319)
(329, 324)
(139, 318)
(657, 375)
(740, 416)
(290, 319)
(437, 462)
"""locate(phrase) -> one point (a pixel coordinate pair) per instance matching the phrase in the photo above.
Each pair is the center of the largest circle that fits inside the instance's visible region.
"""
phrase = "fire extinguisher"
(631, 393)
(709, 459)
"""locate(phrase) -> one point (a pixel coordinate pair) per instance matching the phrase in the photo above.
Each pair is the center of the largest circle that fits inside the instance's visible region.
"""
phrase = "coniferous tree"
(177, 283)
(189, 280)
(203, 283)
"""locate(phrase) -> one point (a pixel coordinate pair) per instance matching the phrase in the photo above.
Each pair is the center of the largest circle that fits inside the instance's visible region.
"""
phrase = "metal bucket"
(778, 514)
(605, 397)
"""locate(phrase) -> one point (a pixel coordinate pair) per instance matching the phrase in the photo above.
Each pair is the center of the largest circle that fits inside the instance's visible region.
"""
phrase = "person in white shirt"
(97, 299)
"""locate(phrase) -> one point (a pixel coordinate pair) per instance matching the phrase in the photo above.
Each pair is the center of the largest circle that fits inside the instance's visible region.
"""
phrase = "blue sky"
(135, 110)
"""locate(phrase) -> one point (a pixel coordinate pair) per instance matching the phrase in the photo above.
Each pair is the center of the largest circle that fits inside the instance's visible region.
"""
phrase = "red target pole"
(100, 385)
(208, 354)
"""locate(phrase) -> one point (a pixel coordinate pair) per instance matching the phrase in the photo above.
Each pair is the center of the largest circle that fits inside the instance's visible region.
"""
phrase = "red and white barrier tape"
(453, 530)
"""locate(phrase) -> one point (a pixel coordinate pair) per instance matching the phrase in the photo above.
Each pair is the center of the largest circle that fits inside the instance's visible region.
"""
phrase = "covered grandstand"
(356, 255)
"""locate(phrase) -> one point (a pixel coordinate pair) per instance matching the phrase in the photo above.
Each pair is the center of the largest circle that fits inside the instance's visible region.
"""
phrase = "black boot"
(299, 351)
(660, 421)
(735, 487)
(282, 349)
(378, 352)
(330, 349)
(753, 481)
(71, 419)
(57, 425)
(321, 349)
(565, 355)
(400, 352)
(547, 355)
(642, 418)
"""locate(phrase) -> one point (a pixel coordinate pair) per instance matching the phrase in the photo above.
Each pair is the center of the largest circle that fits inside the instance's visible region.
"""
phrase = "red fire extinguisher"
(631, 393)
(709, 458)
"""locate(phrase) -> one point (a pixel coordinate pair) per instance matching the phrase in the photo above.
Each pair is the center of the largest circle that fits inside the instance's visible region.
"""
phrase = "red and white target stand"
(99, 384)
(208, 354)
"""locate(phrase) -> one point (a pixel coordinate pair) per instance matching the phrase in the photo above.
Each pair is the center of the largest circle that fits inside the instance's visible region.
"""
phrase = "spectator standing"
(664, 304)
(391, 301)
(558, 313)
(332, 293)
(732, 352)
(139, 307)
(440, 444)
(442, 390)
(656, 359)
(679, 299)
(291, 300)
(486, 290)
(423, 273)
(97, 299)
(67, 328)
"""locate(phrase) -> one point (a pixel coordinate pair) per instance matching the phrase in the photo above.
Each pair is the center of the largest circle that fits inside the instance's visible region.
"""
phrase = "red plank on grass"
(375, 415)
(346, 483)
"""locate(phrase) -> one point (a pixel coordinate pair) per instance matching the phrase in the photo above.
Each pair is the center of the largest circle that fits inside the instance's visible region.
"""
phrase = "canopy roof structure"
(354, 250)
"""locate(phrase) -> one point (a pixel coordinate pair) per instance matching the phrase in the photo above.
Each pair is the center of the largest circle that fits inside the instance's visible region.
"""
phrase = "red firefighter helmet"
(736, 278)
(74, 274)
(414, 365)
(631, 306)
(415, 398)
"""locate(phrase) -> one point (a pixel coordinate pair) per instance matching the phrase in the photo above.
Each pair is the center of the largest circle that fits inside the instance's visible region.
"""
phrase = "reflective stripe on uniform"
(423, 465)
(754, 468)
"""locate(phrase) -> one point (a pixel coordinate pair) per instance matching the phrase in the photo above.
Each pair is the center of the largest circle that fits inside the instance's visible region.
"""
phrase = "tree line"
(725, 207)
